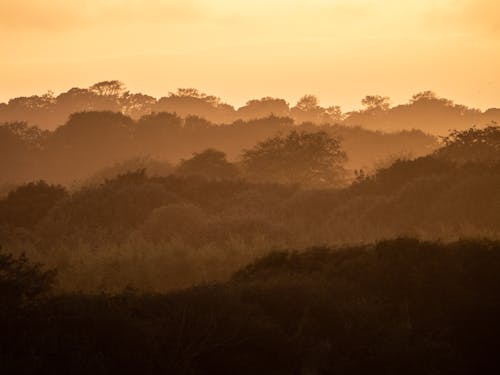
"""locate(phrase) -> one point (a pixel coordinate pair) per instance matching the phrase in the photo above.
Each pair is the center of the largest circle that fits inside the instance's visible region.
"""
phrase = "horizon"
(337, 50)
(235, 187)
(242, 103)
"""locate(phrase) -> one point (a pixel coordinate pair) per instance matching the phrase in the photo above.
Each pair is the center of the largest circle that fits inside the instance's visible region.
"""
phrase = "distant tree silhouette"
(429, 96)
(156, 133)
(424, 110)
(472, 145)
(93, 140)
(334, 114)
(196, 123)
(491, 116)
(108, 88)
(21, 282)
(310, 159)
(260, 108)
(32, 136)
(77, 100)
(89, 141)
(20, 148)
(307, 109)
(376, 102)
(26, 205)
(189, 102)
(136, 105)
(210, 164)
(307, 103)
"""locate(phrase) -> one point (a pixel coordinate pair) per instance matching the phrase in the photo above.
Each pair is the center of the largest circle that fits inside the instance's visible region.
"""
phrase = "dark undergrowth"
(400, 306)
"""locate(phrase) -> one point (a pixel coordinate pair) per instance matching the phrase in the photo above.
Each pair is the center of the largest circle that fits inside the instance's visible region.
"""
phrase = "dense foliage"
(136, 265)
(91, 141)
(398, 306)
(202, 221)
(424, 110)
(311, 159)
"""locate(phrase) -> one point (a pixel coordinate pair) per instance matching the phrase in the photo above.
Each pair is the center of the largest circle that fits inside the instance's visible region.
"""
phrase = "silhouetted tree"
(429, 96)
(472, 145)
(424, 111)
(210, 164)
(307, 103)
(307, 109)
(28, 204)
(376, 102)
(88, 142)
(136, 105)
(158, 133)
(196, 124)
(310, 159)
(191, 102)
(334, 114)
(265, 107)
(108, 88)
(20, 148)
(21, 282)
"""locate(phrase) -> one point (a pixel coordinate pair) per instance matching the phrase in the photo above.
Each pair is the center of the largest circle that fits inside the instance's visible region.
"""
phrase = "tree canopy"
(472, 145)
(210, 164)
(314, 159)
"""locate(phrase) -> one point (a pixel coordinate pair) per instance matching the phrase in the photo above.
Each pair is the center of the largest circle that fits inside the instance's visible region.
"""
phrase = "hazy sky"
(339, 50)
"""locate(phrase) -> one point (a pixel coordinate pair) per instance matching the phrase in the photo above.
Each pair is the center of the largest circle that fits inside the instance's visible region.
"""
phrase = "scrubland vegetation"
(425, 110)
(399, 306)
(205, 219)
(141, 242)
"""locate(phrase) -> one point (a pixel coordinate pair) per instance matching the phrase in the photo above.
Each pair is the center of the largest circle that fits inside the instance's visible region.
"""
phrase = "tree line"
(202, 219)
(264, 264)
(426, 110)
(397, 306)
(91, 141)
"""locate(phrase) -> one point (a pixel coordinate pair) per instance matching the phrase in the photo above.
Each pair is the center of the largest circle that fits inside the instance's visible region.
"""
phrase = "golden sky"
(339, 50)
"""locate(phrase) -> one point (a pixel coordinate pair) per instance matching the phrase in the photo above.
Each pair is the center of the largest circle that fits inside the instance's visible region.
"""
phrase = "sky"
(339, 50)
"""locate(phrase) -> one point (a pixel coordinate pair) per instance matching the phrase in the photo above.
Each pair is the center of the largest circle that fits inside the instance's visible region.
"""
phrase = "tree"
(376, 102)
(210, 164)
(108, 88)
(424, 96)
(311, 159)
(472, 145)
(196, 123)
(191, 102)
(136, 105)
(20, 148)
(158, 132)
(196, 94)
(87, 142)
(307, 103)
(29, 203)
(265, 107)
(308, 109)
(21, 282)
(334, 113)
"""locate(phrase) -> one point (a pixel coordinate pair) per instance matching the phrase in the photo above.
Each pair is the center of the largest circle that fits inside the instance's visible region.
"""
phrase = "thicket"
(398, 306)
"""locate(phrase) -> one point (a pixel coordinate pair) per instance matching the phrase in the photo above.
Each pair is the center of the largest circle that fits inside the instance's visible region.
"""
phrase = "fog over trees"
(181, 235)
(425, 110)
(91, 141)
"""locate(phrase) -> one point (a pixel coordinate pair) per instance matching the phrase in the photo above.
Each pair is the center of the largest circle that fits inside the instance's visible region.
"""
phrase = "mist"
(274, 187)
